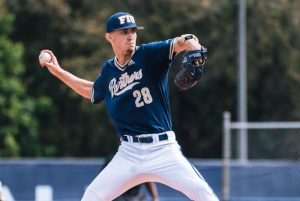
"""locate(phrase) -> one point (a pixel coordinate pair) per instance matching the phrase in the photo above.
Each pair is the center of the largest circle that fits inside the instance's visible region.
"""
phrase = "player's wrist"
(56, 71)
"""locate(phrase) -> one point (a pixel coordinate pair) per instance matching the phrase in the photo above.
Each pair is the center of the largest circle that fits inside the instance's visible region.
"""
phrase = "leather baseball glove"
(191, 68)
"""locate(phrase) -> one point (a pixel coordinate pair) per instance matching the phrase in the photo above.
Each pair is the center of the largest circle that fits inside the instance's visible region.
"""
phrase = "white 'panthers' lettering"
(126, 19)
(125, 83)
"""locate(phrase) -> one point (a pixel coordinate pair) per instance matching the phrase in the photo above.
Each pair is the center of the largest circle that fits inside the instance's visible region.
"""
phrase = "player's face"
(124, 40)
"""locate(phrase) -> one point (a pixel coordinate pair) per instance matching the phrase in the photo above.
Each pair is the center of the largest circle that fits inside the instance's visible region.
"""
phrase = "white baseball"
(44, 57)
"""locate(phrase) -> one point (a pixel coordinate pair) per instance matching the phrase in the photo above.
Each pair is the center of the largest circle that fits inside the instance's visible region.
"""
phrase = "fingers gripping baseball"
(48, 59)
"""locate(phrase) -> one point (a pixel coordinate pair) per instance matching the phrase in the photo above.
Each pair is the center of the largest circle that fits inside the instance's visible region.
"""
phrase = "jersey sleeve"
(163, 48)
(97, 92)
(161, 51)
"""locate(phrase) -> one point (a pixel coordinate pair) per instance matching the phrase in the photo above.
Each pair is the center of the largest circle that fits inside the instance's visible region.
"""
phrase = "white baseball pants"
(159, 161)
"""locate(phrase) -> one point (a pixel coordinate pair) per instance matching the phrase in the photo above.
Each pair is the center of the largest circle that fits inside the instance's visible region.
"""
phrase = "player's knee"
(90, 195)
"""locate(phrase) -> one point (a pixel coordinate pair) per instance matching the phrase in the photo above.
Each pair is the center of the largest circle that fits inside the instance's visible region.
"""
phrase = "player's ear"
(108, 37)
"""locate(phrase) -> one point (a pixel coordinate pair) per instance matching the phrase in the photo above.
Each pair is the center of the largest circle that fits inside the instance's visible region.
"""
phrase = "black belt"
(146, 139)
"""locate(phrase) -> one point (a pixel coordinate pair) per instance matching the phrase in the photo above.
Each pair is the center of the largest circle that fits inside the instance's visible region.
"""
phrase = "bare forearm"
(81, 86)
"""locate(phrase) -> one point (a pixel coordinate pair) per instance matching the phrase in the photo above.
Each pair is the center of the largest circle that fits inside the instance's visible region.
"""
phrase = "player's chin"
(131, 49)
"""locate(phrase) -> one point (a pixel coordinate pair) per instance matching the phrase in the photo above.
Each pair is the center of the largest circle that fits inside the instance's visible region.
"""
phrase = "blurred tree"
(274, 60)
(74, 30)
(18, 130)
(274, 71)
(68, 28)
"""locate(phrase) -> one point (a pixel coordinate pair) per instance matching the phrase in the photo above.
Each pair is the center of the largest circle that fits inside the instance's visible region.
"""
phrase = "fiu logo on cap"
(126, 19)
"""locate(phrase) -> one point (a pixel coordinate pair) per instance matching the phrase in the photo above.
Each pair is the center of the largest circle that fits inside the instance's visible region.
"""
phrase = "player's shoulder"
(107, 64)
(106, 67)
(159, 49)
(157, 43)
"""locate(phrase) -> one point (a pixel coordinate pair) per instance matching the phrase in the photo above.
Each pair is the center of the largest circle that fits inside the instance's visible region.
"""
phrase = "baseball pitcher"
(134, 87)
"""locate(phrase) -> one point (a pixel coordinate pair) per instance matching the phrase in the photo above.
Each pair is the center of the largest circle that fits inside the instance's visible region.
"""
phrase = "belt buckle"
(125, 138)
(147, 139)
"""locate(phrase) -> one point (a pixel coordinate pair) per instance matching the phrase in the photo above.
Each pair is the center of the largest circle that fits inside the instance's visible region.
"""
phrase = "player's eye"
(128, 31)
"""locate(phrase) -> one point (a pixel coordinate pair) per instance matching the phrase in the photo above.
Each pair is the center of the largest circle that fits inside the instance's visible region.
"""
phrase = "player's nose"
(130, 36)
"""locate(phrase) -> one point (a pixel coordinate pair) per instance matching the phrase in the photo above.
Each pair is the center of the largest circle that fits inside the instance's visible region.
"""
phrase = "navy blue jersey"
(137, 94)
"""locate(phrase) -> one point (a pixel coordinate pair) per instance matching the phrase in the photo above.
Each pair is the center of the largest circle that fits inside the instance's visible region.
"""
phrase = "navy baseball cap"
(121, 20)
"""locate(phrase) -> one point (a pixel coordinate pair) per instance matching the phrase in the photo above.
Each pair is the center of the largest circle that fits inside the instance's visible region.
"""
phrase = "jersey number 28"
(142, 96)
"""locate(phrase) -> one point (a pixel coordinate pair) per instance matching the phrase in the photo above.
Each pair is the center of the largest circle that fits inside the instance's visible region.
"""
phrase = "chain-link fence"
(266, 166)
